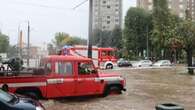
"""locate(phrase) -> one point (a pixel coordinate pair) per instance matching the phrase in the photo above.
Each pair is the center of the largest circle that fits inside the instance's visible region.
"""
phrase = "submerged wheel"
(113, 89)
(34, 94)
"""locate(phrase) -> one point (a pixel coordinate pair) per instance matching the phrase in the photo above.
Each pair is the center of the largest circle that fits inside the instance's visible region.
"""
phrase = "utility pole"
(147, 44)
(20, 43)
(28, 45)
(90, 33)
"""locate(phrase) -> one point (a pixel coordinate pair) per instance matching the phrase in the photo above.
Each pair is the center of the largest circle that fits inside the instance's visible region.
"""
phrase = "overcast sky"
(46, 17)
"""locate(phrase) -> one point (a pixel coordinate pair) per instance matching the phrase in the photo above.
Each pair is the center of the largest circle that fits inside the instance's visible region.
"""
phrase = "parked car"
(123, 63)
(16, 102)
(142, 63)
(162, 63)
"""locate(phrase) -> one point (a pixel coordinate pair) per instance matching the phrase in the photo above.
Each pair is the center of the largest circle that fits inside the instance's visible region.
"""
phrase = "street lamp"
(90, 33)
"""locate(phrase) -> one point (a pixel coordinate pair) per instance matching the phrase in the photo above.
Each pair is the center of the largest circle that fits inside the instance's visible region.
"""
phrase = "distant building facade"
(177, 7)
(107, 14)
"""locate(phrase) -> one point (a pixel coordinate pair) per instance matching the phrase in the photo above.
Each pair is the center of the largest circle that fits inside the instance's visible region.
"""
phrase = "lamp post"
(90, 33)
(28, 44)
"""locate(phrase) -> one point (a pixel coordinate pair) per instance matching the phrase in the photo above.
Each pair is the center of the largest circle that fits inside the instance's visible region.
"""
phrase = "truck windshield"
(5, 97)
(108, 53)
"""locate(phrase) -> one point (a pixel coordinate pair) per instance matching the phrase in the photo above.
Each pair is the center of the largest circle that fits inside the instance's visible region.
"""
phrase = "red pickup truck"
(61, 76)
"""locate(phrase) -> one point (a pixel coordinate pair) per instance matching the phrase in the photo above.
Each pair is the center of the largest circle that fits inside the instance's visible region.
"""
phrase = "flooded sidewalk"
(145, 89)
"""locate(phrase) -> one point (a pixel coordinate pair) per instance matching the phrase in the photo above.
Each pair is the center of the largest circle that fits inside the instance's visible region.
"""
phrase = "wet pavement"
(145, 89)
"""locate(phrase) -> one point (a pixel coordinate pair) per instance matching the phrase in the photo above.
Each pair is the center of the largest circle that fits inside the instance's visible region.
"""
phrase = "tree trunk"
(189, 60)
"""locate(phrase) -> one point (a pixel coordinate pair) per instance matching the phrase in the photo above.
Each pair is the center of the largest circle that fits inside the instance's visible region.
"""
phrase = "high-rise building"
(107, 14)
(177, 7)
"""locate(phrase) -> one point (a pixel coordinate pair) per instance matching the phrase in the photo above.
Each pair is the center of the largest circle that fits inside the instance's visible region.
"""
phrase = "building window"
(108, 22)
(108, 17)
(108, 6)
(104, 2)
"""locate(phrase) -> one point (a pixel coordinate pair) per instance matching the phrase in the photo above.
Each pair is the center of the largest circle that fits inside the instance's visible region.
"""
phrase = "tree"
(116, 38)
(62, 39)
(160, 19)
(186, 31)
(102, 38)
(105, 38)
(4, 43)
(137, 28)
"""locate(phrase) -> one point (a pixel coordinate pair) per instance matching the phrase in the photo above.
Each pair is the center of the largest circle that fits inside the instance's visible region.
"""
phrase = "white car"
(142, 63)
(161, 63)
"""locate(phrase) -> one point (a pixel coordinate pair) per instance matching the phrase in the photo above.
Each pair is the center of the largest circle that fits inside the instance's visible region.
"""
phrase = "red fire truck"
(103, 58)
(61, 76)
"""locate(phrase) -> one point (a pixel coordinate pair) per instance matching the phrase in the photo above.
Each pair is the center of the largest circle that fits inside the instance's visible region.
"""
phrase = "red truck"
(104, 58)
(62, 76)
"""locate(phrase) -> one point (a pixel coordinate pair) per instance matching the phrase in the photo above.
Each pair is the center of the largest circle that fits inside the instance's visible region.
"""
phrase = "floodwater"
(145, 89)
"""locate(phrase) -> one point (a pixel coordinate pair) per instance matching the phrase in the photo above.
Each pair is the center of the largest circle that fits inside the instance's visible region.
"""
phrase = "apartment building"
(107, 14)
(177, 7)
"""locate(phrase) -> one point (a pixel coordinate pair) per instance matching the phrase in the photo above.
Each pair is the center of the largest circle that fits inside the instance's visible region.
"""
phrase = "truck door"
(62, 82)
(86, 80)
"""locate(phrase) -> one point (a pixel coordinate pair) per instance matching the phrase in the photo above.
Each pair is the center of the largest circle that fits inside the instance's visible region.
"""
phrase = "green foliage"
(116, 38)
(62, 39)
(4, 43)
(138, 25)
(108, 38)
(186, 32)
(161, 25)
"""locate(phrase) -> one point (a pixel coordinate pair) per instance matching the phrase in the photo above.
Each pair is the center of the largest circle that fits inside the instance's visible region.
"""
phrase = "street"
(145, 89)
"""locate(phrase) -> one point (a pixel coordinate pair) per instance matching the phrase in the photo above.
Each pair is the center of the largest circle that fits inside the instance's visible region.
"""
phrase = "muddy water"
(145, 89)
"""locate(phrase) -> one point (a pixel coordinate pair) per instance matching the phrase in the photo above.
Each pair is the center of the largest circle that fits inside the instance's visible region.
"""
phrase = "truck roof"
(66, 58)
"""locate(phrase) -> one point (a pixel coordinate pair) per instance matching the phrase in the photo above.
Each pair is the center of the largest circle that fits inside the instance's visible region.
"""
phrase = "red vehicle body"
(104, 58)
(61, 76)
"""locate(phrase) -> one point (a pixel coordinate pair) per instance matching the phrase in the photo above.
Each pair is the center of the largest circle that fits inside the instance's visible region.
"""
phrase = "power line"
(79, 4)
(40, 5)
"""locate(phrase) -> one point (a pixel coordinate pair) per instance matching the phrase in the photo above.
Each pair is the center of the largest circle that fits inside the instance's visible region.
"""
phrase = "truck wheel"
(33, 95)
(109, 66)
(169, 106)
(115, 89)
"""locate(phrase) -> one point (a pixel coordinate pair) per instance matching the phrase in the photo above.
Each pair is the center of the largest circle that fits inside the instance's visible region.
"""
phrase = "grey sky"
(46, 17)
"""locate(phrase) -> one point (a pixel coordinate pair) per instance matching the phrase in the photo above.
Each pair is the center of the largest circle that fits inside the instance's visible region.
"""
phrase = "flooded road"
(145, 89)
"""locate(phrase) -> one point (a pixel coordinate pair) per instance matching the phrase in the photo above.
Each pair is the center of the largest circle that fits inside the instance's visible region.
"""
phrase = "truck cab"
(65, 76)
